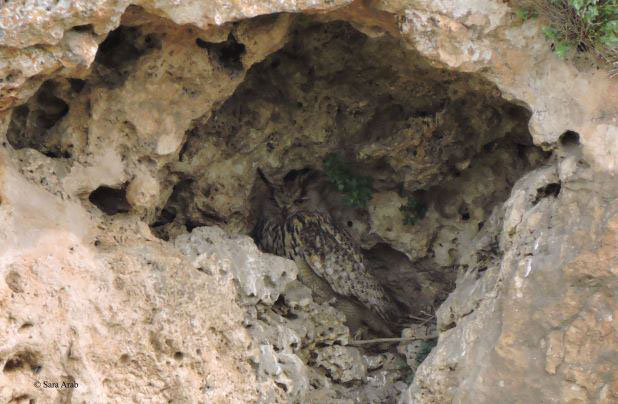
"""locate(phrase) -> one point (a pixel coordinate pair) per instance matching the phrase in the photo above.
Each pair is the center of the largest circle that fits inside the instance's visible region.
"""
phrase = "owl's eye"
(301, 199)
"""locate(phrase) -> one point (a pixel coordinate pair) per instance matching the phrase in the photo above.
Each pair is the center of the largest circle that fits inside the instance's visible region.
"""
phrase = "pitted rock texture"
(42, 38)
(417, 131)
(298, 344)
(113, 309)
(117, 118)
(260, 280)
(487, 37)
(141, 67)
(333, 89)
(343, 364)
(534, 312)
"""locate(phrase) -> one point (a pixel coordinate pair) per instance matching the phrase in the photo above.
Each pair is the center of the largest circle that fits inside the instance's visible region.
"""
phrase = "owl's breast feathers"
(332, 255)
(270, 236)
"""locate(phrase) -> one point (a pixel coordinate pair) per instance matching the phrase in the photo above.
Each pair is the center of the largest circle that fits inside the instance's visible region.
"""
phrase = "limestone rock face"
(262, 279)
(111, 308)
(130, 137)
(486, 36)
(41, 38)
(343, 364)
(534, 314)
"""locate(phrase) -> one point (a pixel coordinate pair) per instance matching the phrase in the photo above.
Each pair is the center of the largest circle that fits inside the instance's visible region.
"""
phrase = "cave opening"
(36, 124)
(228, 53)
(110, 201)
(408, 159)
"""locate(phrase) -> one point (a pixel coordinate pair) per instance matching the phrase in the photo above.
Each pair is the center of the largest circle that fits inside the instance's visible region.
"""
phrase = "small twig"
(419, 318)
(427, 314)
(422, 323)
(381, 340)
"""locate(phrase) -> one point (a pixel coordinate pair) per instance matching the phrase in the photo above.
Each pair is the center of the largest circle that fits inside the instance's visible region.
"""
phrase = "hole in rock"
(548, 190)
(110, 200)
(13, 364)
(13, 281)
(83, 28)
(464, 212)
(228, 53)
(22, 360)
(165, 217)
(35, 124)
(569, 138)
(26, 326)
(77, 85)
(119, 47)
(119, 51)
(406, 159)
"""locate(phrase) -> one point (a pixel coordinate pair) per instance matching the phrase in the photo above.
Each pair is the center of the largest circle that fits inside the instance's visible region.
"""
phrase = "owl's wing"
(332, 255)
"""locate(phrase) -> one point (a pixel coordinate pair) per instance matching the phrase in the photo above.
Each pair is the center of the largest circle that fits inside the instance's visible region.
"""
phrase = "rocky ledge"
(473, 169)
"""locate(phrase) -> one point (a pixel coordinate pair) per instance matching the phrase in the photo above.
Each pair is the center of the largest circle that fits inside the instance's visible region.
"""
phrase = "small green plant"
(413, 211)
(406, 371)
(561, 47)
(525, 14)
(426, 347)
(582, 26)
(356, 189)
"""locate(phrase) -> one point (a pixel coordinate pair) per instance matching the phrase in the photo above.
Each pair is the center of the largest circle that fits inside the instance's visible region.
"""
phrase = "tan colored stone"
(115, 316)
(485, 36)
(555, 352)
(532, 319)
(143, 191)
(37, 37)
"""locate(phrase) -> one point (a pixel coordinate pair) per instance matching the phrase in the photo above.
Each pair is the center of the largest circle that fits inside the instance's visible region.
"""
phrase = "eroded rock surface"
(130, 130)
(113, 309)
(534, 313)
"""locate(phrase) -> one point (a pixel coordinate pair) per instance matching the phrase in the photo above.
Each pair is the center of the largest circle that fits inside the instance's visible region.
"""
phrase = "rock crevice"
(473, 169)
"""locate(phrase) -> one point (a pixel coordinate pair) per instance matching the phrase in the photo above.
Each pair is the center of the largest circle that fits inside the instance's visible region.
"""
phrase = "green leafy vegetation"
(413, 211)
(525, 14)
(577, 26)
(405, 369)
(356, 189)
(426, 347)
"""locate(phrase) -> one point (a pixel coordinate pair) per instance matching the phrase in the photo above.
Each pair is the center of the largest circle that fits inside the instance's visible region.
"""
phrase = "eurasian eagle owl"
(291, 226)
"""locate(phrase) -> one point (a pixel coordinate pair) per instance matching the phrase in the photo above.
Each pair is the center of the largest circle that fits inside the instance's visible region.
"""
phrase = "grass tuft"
(577, 27)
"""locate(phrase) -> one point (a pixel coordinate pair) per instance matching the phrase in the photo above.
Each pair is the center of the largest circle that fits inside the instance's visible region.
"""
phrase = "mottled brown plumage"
(290, 227)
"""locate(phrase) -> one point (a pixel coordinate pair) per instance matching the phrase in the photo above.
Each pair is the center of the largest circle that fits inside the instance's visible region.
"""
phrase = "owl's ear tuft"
(264, 178)
(302, 177)
(308, 176)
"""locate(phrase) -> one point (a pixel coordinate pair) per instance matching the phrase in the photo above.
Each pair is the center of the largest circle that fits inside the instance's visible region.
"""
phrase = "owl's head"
(292, 195)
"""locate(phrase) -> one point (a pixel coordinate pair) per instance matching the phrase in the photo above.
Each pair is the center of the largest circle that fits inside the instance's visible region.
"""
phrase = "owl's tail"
(386, 309)
(355, 320)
